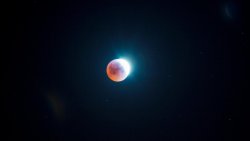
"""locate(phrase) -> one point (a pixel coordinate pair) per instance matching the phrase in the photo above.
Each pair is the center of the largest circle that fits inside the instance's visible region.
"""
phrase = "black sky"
(188, 71)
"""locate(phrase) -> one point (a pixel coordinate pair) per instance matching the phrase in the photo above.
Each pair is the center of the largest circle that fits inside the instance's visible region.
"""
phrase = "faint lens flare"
(56, 104)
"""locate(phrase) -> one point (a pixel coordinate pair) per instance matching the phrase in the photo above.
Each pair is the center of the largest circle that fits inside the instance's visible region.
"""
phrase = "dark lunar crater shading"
(116, 68)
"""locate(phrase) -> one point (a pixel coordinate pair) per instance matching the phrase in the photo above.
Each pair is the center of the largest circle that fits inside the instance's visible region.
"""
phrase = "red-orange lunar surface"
(116, 70)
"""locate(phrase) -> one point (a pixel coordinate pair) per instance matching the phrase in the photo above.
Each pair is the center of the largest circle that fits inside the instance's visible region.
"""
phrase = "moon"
(118, 69)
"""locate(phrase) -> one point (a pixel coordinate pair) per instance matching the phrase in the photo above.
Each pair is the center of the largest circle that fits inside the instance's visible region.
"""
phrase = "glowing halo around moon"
(118, 69)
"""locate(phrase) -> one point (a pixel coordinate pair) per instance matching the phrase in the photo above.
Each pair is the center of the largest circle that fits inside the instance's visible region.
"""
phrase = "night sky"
(187, 81)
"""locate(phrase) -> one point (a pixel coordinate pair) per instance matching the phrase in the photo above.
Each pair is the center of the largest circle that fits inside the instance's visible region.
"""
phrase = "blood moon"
(118, 70)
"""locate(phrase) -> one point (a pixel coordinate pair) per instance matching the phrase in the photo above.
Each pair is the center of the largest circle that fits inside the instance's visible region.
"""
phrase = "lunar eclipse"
(118, 70)
(162, 70)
